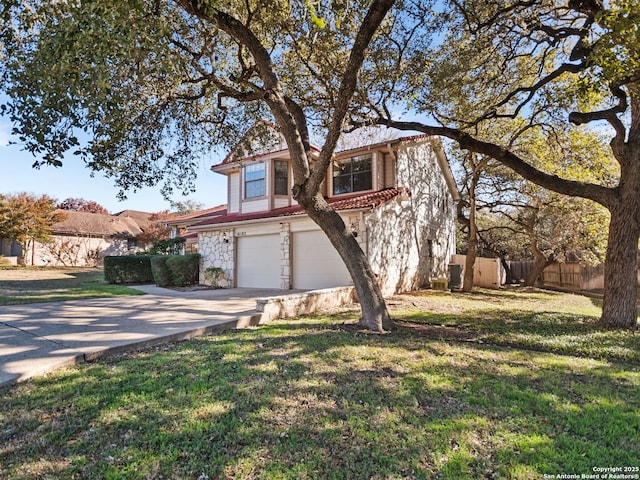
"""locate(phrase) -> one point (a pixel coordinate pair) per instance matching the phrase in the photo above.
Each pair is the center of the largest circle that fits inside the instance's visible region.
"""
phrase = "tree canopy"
(82, 205)
(27, 218)
(154, 84)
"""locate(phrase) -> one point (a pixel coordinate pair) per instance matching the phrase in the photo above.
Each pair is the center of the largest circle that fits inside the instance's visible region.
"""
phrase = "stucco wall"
(410, 240)
(67, 250)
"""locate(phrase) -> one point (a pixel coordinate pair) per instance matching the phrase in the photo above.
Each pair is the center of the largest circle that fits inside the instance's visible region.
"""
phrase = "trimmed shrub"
(127, 269)
(171, 246)
(214, 275)
(160, 270)
(184, 269)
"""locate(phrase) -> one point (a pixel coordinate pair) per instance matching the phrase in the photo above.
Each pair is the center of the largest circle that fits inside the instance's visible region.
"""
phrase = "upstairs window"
(352, 175)
(281, 177)
(254, 180)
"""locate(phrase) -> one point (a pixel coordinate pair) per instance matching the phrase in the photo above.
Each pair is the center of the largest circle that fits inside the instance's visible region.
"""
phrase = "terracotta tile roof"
(220, 209)
(96, 224)
(351, 202)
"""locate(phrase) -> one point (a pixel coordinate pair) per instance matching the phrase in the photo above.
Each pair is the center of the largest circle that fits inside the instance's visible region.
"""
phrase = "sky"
(73, 179)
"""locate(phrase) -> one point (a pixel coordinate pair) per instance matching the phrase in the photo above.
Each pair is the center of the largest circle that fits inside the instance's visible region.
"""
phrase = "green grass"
(533, 319)
(306, 398)
(31, 285)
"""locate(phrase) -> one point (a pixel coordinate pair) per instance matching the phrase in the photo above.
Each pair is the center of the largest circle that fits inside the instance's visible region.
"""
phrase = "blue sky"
(73, 179)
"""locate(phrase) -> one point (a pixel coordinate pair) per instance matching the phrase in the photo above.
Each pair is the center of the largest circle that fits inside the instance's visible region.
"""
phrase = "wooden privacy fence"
(574, 276)
(487, 272)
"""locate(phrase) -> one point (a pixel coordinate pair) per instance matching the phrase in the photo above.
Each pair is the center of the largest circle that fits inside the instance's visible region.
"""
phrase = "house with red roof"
(398, 198)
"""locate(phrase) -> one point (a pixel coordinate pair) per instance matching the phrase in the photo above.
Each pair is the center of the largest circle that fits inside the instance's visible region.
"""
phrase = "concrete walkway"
(40, 337)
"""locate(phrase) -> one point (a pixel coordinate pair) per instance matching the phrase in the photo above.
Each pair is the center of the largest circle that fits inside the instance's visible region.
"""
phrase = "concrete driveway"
(40, 337)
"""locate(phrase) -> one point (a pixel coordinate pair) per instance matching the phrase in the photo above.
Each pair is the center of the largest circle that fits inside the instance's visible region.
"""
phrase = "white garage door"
(259, 261)
(316, 264)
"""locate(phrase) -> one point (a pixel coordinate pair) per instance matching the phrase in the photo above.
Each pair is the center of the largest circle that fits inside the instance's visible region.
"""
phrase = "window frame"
(276, 178)
(351, 174)
(254, 168)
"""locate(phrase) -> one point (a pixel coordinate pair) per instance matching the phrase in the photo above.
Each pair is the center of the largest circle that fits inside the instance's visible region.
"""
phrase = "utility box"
(455, 276)
(439, 284)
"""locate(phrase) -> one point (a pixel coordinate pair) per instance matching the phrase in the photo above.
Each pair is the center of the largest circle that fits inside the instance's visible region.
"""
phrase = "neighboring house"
(180, 224)
(84, 239)
(397, 197)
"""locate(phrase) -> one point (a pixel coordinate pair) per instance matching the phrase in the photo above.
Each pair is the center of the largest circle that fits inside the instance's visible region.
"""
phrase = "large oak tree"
(533, 62)
(154, 84)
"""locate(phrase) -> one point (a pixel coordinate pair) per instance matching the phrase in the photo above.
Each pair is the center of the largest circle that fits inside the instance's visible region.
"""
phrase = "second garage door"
(259, 261)
(316, 264)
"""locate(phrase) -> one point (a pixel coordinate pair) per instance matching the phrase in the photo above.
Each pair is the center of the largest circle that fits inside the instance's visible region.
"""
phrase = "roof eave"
(257, 221)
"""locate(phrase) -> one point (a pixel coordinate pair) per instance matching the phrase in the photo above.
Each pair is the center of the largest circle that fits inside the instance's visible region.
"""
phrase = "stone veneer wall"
(285, 256)
(411, 240)
(217, 250)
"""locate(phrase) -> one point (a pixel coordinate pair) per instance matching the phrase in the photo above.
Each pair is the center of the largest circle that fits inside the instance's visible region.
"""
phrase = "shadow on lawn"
(551, 331)
(69, 279)
(307, 400)
(495, 296)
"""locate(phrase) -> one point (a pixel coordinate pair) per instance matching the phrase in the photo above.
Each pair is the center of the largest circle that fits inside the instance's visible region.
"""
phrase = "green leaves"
(317, 21)
(616, 51)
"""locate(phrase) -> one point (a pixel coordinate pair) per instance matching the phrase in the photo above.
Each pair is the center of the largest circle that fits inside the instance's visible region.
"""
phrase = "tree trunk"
(541, 260)
(375, 315)
(472, 244)
(536, 273)
(507, 269)
(619, 307)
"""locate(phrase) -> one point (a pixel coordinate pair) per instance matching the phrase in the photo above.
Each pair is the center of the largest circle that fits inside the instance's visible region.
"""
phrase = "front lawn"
(310, 398)
(19, 285)
(530, 318)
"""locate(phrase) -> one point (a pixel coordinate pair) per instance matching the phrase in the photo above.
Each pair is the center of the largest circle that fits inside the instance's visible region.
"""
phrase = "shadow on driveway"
(37, 338)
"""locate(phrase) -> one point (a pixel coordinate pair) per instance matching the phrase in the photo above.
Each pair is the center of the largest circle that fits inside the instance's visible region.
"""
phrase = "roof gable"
(261, 139)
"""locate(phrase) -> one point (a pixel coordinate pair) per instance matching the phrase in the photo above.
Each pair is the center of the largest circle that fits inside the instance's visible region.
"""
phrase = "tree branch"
(610, 115)
(370, 24)
(602, 195)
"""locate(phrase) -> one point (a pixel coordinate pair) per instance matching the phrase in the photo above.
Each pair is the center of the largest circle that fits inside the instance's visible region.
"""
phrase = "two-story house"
(397, 197)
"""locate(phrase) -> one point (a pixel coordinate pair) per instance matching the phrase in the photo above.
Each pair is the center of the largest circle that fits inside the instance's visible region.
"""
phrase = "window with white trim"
(254, 180)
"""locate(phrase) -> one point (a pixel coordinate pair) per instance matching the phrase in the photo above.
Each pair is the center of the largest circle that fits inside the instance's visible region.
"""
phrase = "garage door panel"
(316, 263)
(259, 261)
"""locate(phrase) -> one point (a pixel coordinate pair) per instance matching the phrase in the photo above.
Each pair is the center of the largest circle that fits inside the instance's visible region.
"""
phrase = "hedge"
(160, 270)
(184, 269)
(164, 270)
(127, 269)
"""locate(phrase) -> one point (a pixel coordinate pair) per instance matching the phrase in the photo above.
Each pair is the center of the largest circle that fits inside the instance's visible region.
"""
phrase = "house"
(397, 197)
(179, 225)
(84, 239)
